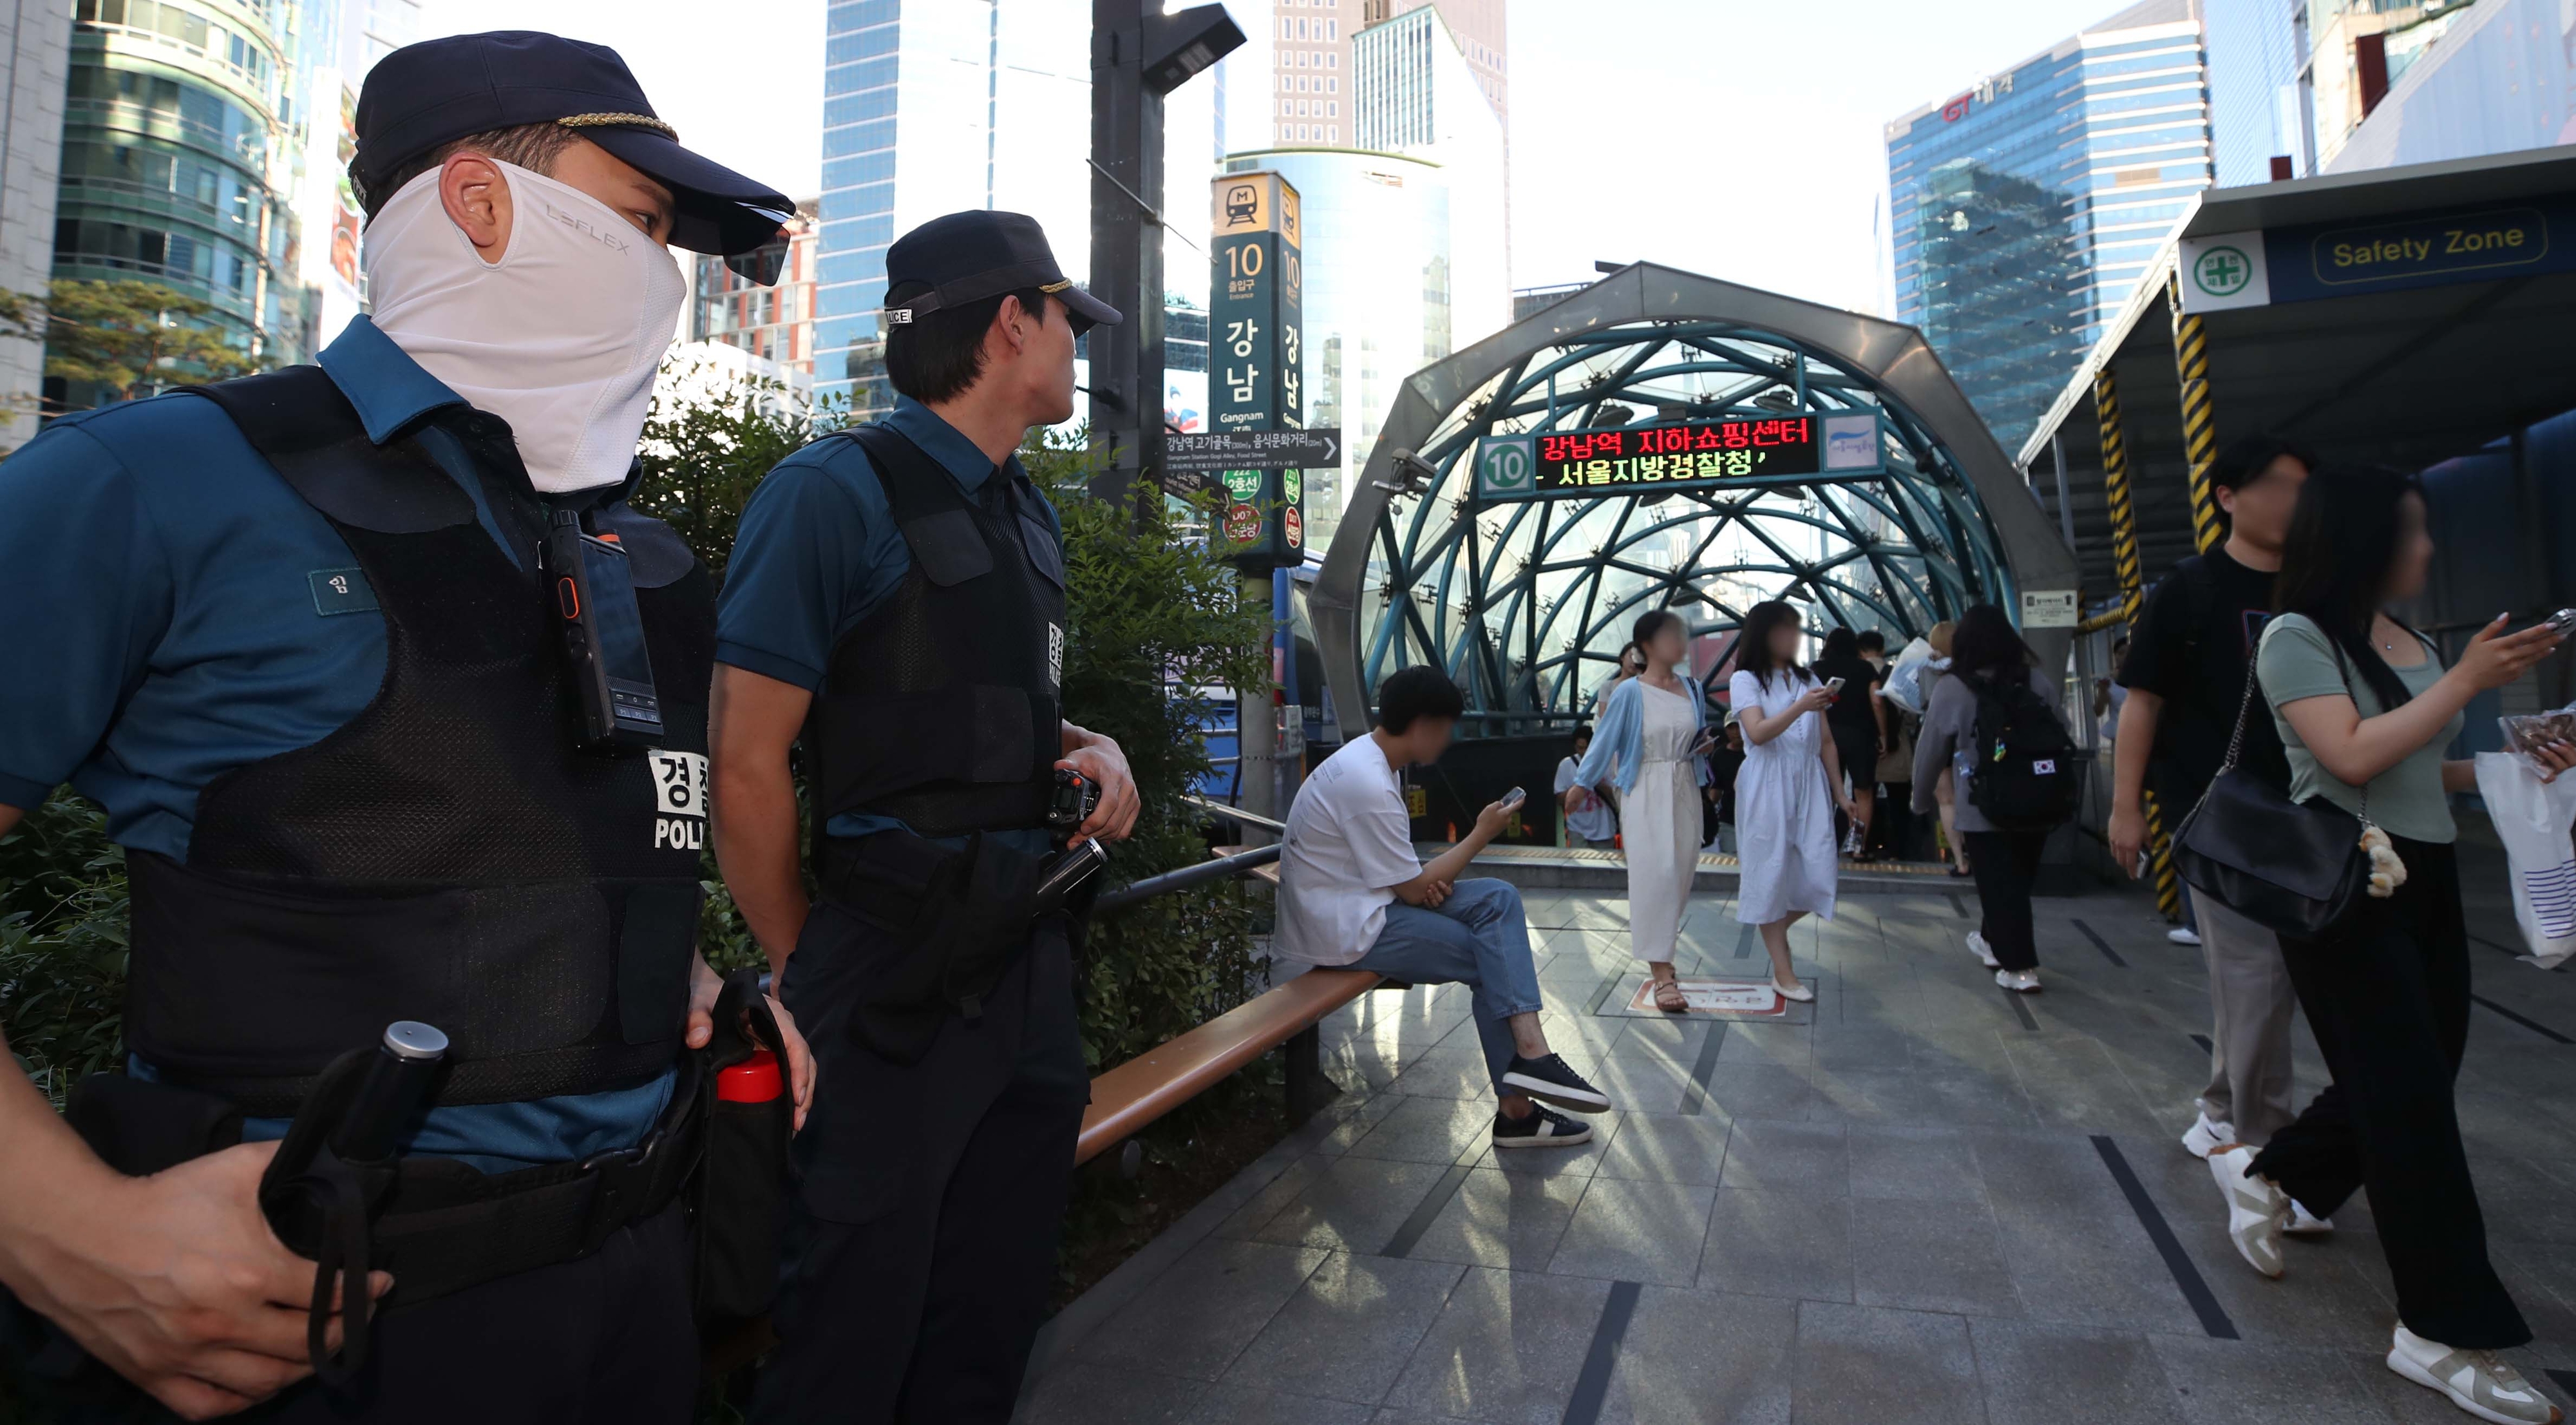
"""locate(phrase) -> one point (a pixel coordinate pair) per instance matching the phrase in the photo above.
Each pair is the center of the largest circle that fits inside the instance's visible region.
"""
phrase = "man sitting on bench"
(1352, 892)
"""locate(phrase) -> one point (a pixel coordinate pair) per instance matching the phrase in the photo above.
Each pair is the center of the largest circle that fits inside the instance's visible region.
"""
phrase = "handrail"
(1248, 818)
(1186, 877)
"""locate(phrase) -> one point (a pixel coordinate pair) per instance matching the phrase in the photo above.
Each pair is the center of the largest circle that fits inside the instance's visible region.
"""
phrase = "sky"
(1736, 138)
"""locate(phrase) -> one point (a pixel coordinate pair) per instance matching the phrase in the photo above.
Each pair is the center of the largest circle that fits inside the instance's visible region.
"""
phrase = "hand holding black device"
(592, 596)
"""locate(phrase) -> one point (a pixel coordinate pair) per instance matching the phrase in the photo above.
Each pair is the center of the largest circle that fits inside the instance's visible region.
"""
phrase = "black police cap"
(435, 92)
(966, 257)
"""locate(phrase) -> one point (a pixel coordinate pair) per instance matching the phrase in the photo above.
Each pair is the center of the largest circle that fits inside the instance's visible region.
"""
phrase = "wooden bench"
(1134, 1094)
(1268, 873)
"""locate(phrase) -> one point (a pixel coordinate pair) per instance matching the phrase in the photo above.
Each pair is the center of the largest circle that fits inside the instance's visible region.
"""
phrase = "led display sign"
(1632, 459)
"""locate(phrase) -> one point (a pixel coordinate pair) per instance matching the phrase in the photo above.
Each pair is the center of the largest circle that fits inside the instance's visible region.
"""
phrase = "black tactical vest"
(941, 708)
(449, 855)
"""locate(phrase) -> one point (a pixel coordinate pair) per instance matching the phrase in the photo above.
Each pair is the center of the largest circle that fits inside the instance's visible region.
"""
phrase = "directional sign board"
(1255, 450)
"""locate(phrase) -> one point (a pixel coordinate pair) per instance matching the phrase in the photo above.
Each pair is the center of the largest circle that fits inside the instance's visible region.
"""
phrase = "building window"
(1332, 29)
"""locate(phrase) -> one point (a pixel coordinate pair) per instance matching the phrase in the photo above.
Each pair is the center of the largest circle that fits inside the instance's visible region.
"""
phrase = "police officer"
(293, 632)
(896, 601)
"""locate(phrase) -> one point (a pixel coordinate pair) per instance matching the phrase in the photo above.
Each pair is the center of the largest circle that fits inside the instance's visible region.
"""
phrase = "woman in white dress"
(1787, 791)
(1648, 743)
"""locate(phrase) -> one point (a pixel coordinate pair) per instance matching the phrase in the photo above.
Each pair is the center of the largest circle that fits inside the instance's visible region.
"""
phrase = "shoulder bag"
(2296, 868)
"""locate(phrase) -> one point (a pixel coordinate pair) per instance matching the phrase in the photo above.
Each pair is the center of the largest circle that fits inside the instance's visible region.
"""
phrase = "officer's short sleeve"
(87, 587)
(816, 549)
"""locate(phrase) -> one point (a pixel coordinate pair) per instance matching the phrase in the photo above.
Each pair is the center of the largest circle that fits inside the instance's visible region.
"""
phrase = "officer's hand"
(176, 1281)
(705, 984)
(1106, 766)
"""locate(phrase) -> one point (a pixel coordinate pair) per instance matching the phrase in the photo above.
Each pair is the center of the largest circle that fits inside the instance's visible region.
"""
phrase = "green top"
(2296, 660)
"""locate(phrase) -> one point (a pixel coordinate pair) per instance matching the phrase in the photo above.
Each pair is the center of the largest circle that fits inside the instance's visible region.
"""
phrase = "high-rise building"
(2025, 209)
(2418, 83)
(1314, 94)
(2258, 118)
(37, 46)
(2336, 86)
(1310, 70)
(773, 324)
(337, 42)
(931, 106)
(178, 160)
(1418, 96)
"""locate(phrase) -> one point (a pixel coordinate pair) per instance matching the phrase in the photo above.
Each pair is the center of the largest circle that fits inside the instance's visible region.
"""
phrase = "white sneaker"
(1985, 952)
(2021, 981)
(2183, 935)
(2478, 1382)
(2304, 1223)
(2255, 1209)
(2206, 1136)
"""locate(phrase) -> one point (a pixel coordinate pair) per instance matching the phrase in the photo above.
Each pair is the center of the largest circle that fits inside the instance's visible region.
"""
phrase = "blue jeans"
(1478, 938)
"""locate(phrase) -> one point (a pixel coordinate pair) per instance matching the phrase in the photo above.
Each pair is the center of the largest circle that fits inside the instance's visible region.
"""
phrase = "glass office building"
(178, 158)
(929, 107)
(2025, 210)
(2257, 108)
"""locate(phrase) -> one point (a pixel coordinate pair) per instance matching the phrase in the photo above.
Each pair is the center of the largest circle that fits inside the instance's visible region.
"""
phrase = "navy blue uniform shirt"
(172, 616)
(818, 550)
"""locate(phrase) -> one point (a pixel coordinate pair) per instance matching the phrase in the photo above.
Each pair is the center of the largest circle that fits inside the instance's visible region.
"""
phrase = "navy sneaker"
(1542, 1128)
(1554, 1081)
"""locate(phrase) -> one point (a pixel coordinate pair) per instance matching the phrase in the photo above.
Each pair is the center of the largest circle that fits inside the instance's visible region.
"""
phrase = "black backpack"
(2028, 773)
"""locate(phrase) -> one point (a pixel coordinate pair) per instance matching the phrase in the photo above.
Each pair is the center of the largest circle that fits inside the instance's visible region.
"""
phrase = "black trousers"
(2388, 997)
(2005, 864)
(601, 1341)
(921, 1242)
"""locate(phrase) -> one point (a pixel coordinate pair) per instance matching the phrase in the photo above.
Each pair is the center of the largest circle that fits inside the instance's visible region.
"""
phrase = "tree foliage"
(708, 442)
(1159, 634)
(62, 943)
(129, 335)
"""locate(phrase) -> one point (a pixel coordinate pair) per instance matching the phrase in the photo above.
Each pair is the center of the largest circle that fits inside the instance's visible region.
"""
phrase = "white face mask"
(560, 338)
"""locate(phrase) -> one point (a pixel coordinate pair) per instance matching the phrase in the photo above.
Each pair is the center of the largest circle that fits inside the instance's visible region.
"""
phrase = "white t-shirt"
(1594, 822)
(1349, 843)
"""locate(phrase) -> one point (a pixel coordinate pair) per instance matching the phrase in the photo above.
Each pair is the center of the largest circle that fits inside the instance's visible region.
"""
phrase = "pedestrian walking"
(1787, 791)
(1651, 732)
(1852, 721)
(1988, 664)
(2184, 672)
(2364, 709)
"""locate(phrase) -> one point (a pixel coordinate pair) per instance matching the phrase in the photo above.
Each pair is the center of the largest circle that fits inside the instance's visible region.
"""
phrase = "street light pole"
(1126, 254)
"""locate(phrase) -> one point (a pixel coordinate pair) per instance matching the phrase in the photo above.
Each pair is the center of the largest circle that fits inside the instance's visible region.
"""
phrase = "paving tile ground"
(1908, 1208)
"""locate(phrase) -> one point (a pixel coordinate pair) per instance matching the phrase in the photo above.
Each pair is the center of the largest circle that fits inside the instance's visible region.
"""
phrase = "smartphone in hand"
(1512, 799)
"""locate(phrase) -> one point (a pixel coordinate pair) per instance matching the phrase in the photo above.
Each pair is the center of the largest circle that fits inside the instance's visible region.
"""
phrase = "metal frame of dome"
(1958, 523)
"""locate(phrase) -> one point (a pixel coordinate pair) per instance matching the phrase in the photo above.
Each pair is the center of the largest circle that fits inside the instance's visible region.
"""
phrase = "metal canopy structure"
(2404, 375)
(1526, 603)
